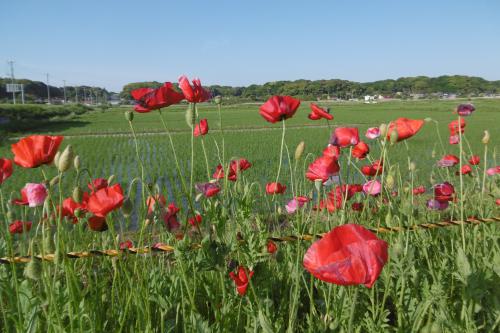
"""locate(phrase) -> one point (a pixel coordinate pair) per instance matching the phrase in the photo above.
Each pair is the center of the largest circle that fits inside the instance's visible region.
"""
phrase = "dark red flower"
(241, 280)
(474, 160)
(465, 110)
(419, 190)
(444, 192)
(360, 150)
(345, 137)
(347, 255)
(271, 247)
(322, 168)
(105, 200)
(405, 128)
(195, 93)
(97, 184)
(208, 189)
(126, 244)
(376, 168)
(318, 113)
(149, 99)
(201, 128)
(448, 161)
(194, 221)
(357, 206)
(5, 169)
(97, 223)
(275, 188)
(18, 227)
(35, 150)
(279, 108)
(170, 217)
(465, 170)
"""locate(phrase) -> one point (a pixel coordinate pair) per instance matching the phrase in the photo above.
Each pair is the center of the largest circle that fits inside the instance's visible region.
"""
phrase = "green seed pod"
(111, 179)
(54, 181)
(129, 115)
(299, 150)
(77, 194)
(65, 159)
(33, 269)
(218, 99)
(77, 163)
(190, 116)
(127, 207)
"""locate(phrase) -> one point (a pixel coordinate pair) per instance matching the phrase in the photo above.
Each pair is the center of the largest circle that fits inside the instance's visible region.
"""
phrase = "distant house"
(369, 99)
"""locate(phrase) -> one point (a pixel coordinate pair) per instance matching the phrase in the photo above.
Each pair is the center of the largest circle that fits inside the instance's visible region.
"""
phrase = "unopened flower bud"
(77, 194)
(218, 99)
(65, 159)
(56, 158)
(111, 179)
(76, 163)
(412, 166)
(299, 150)
(198, 197)
(433, 153)
(428, 119)
(486, 137)
(129, 115)
(394, 136)
(127, 207)
(383, 130)
(389, 181)
(54, 181)
(190, 116)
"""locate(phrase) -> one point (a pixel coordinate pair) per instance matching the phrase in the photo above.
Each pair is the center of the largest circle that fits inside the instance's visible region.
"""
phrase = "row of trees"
(36, 91)
(343, 89)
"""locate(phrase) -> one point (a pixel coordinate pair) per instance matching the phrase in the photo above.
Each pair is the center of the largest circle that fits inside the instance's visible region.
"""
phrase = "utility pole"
(48, 89)
(11, 63)
(64, 82)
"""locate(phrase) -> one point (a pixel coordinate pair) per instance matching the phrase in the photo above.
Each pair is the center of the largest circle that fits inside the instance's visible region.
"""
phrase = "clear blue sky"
(110, 42)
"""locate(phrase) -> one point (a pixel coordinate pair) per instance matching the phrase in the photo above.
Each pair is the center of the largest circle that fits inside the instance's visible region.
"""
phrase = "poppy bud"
(394, 137)
(318, 184)
(299, 150)
(77, 163)
(127, 207)
(383, 130)
(218, 99)
(33, 269)
(389, 181)
(388, 218)
(65, 159)
(190, 116)
(129, 115)
(486, 137)
(147, 222)
(433, 153)
(428, 119)
(111, 179)
(54, 181)
(412, 166)
(77, 194)
(198, 197)
(56, 158)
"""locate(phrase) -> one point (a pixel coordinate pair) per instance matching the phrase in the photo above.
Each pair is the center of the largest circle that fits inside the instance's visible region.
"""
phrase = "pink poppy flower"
(35, 194)
(372, 133)
(372, 187)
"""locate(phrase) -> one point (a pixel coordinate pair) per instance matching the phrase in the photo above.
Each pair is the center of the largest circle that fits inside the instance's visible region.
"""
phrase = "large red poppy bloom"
(201, 128)
(105, 200)
(275, 188)
(149, 99)
(347, 255)
(319, 113)
(195, 93)
(18, 227)
(279, 108)
(35, 150)
(241, 280)
(322, 168)
(69, 207)
(345, 137)
(405, 128)
(360, 150)
(5, 169)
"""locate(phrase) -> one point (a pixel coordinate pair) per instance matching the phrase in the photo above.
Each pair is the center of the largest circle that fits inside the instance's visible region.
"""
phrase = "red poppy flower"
(97, 184)
(235, 166)
(126, 245)
(5, 169)
(376, 168)
(170, 218)
(271, 247)
(318, 113)
(201, 128)
(240, 164)
(443, 192)
(448, 161)
(149, 99)
(347, 255)
(195, 93)
(360, 150)
(35, 150)
(419, 190)
(345, 137)
(69, 206)
(275, 188)
(194, 221)
(465, 170)
(465, 110)
(474, 160)
(208, 189)
(241, 280)
(18, 227)
(105, 200)
(159, 200)
(405, 128)
(97, 223)
(322, 168)
(331, 151)
(23, 201)
(456, 127)
(279, 108)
